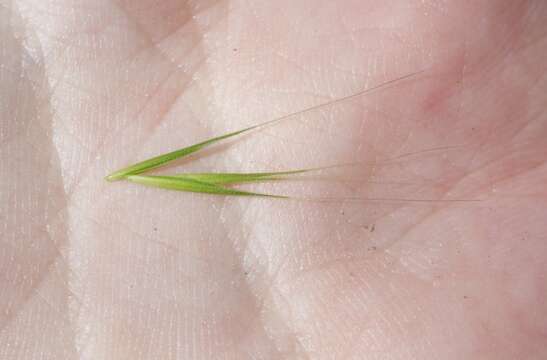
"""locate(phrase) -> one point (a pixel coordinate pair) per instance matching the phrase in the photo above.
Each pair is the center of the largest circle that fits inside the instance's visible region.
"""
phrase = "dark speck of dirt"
(373, 227)
(155, 229)
(372, 248)
(466, 297)
(234, 49)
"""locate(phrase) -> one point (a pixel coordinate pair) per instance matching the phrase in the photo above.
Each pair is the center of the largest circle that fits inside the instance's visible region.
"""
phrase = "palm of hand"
(118, 271)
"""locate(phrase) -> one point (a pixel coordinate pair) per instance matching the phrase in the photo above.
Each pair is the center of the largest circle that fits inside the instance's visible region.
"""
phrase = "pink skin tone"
(97, 270)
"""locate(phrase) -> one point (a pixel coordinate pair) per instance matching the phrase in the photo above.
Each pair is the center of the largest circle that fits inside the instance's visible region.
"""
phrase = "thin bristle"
(163, 159)
(385, 200)
(338, 100)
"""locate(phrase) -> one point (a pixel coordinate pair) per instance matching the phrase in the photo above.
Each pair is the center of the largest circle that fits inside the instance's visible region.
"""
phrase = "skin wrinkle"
(258, 300)
(43, 107)
(189, 20)
(272, 282)
(398, 325)
(286, 261)
(106, 143)
(325, 305)
(427, 216)
(24, 302)
(536, 42)
(267, 286)
(387, 319)
(143, 237)
(404, 233)
(234, 233)
(151, 130)
(492, 69)
(264, 327)
(352, 349)
(309, 246)
(58, 256)
(65, 40)
(64, 82)
(157, 46)
(493, 181)
(384, 250)
(300, 348)
(151, 44)
(472, 172)
(44, 267)
(403, 143)
(505, 179)
(314, 126)
(169, 75)
(163, 82)
(202, 29)
(349, 99)
(517, 132)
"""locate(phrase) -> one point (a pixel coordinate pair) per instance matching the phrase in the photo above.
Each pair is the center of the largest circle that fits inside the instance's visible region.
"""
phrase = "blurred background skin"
(91, 270)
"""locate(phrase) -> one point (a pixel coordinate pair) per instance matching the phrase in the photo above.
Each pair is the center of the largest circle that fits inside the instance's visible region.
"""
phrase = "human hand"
(92, 270)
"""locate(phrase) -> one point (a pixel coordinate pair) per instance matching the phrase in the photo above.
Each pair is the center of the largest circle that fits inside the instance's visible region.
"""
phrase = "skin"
(97, 270)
